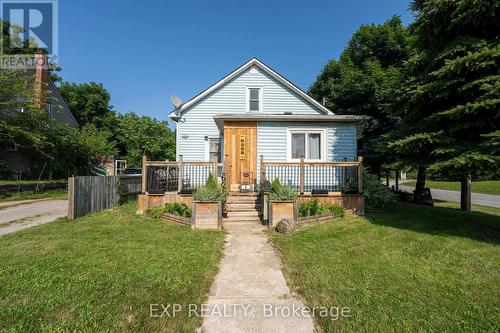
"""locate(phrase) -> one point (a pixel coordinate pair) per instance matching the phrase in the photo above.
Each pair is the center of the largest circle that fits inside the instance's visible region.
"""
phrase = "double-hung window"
(254, 99)
(214, 149)
(307, 143)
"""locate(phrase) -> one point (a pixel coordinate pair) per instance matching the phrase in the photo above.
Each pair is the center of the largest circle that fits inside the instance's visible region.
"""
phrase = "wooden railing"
(305, 177)
(163, 176)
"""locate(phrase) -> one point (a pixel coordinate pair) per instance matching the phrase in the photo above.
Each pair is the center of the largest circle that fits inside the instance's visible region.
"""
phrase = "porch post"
(179, 174)
(397, 179)
(216, 167)
(360, 174)
(144, 173)
(302, 175)
(262, 171)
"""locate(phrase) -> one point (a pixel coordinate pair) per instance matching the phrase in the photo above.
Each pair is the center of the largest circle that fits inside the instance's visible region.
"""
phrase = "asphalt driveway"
(18, 215)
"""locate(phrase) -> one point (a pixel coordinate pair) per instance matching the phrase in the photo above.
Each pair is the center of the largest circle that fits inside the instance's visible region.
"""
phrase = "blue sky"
(145, 51)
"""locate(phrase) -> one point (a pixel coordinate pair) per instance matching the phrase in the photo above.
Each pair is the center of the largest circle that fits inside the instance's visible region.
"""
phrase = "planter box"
(279, 210)
(206, 215)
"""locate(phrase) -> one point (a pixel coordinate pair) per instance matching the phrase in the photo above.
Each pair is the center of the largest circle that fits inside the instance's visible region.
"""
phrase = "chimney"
(41, 79)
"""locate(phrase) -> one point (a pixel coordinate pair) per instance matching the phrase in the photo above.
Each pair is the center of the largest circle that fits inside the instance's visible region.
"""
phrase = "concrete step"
(243, 226)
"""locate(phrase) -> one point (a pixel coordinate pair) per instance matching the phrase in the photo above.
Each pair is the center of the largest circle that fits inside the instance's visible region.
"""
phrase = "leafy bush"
(155, 212)
(212, 191)
(280, 192)
(5, 172)
(179, 209)
(335, 210)
(376, 194)
(314, 207)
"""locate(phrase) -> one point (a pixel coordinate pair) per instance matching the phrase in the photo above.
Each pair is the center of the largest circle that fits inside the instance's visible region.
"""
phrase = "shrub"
(275, 185)
(212, 191)
(337, 211)
(5, 172)
(376, 194)
(179, 209)
(211, 181)
(283, 193)
(314, 207)
(155, 212)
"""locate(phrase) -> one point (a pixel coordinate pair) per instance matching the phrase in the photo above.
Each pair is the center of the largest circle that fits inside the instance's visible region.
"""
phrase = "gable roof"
(238, 71)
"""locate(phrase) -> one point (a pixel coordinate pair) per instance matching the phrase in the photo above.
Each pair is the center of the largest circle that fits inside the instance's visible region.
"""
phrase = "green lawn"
(102, 272)
(486, 187)
(29, 195)
(413, 268)
(474, 208)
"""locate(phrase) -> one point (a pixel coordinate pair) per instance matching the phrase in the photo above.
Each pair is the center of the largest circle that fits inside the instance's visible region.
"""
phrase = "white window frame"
(207, 146)
(248, 98)
(306, 131)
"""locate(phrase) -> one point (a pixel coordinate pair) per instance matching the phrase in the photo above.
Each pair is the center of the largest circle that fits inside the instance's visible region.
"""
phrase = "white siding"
(197, 121)
(271, 140)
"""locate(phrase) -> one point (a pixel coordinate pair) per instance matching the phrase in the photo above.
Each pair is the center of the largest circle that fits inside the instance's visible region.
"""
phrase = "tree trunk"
(465, 193)
(421, 195)
(420, 185)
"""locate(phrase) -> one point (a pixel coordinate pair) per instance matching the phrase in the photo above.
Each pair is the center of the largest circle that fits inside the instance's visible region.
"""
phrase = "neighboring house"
(48, 98)
(254, 113)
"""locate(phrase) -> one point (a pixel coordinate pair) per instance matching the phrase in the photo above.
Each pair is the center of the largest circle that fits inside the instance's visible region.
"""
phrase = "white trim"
(306, 130)
(253, 62)
(207, 149)
(247, 109)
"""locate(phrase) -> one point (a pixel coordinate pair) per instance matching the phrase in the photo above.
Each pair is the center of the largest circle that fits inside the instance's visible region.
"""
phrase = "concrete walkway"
(476, 198)
(250, 287)
(18, 215)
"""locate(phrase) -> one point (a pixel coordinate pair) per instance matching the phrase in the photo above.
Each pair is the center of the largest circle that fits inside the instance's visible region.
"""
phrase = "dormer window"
(254, 99)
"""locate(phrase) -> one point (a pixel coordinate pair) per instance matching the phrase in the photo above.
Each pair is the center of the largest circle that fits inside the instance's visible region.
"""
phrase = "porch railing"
(164, 176)
(345, 177)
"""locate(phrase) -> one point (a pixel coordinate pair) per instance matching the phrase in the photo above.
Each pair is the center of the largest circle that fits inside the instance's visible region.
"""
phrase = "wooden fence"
(94, 193)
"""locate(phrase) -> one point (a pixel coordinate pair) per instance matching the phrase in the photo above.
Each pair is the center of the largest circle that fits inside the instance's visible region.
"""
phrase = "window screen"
(253, 103)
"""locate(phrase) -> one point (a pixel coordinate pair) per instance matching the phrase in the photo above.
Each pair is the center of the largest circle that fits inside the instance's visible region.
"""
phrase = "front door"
(240, 146)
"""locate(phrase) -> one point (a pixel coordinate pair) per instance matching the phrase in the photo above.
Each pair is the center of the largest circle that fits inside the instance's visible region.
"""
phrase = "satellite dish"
(176, 101)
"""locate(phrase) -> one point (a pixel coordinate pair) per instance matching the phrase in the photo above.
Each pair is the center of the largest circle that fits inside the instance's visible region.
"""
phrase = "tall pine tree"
(452, 98)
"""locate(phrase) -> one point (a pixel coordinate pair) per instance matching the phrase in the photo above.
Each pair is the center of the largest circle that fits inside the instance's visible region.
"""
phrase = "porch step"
(244, 213)
(241, 219)
(240, 206)
(243, 198)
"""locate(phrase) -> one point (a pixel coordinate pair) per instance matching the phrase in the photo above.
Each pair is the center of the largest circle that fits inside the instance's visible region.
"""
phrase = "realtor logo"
(33, 24)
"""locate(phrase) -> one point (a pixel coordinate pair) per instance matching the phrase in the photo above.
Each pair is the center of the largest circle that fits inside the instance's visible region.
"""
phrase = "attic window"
(254, 99)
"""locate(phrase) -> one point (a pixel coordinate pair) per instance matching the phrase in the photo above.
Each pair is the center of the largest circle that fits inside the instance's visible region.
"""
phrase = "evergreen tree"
(451, 101)
(364, 79)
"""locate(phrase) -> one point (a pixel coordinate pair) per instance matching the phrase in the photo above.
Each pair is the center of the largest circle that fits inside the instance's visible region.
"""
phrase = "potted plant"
(282, 204)
(207, 205)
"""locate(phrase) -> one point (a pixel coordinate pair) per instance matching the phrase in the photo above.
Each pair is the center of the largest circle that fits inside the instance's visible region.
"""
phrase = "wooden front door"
(240, 147)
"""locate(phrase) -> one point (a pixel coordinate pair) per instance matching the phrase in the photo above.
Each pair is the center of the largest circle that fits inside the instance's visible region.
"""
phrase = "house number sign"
(243, 151)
